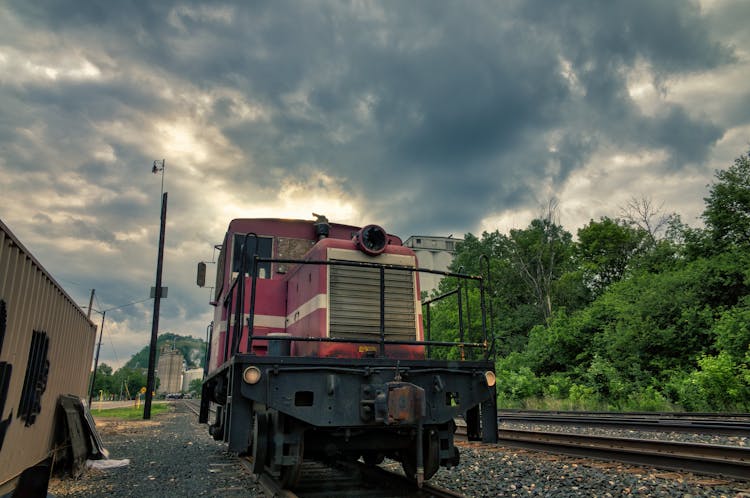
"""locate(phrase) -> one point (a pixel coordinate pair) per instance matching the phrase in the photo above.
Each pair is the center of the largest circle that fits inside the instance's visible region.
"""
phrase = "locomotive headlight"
(372, 240)
(251, 375)
(489, 377)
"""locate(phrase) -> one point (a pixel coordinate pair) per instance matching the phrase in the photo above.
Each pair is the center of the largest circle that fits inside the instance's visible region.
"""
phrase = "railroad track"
(727, 461)
(734, 424)
(699, 458)
(351, 479)
(343, 479)
(715, 460)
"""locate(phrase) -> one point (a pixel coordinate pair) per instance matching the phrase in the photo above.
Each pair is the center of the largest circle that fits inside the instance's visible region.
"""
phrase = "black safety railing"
(240, 298)
(381, 341)
(463, 309)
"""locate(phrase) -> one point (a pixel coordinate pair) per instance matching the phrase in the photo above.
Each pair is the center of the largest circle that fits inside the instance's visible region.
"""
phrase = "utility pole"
(91, 303)
(151, 381)
(96, 361)
(92, 378)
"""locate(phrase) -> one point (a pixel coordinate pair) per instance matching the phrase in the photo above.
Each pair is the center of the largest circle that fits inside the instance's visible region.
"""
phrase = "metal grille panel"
(355, 303)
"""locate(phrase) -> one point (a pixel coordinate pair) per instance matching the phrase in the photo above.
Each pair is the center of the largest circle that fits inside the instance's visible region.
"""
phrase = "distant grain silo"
(189, 376)
(433, 253)
(169, 370)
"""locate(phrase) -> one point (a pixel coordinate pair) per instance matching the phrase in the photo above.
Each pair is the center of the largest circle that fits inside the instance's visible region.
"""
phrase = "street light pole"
(150, 382)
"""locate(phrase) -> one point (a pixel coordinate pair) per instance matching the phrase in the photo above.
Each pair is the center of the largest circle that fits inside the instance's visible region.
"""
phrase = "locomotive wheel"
(289, 475)
(431, 457)
(260, 442)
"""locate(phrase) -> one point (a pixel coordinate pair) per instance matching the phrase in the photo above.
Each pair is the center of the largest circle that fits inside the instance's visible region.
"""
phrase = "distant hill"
(192, 349)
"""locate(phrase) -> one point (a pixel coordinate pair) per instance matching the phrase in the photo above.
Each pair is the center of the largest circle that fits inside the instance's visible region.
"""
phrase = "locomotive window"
(264, 246)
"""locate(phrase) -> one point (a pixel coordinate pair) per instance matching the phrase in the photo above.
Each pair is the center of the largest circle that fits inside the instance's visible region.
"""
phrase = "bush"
(720, 384)
(606, 380)
(647, 400)
(732, 330)
(515, 380)
(557, 386)
(583, 395)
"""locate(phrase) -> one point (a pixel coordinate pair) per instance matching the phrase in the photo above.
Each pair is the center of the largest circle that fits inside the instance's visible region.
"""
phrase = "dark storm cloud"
(428, 116)
(671, 34)
(439, 97)
(688, 140)
(464, 98)
(442, 97)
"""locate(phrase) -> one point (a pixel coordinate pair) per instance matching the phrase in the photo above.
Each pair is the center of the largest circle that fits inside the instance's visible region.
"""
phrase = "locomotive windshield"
(264, 247)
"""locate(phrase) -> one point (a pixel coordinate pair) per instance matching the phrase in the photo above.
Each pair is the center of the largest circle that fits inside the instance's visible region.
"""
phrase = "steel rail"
(730, 425)
(708, 415)
(345, 487)
(339, 479)
(727, 461)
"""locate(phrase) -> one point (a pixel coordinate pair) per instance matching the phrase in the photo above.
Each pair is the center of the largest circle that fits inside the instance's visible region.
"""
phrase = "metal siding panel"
(34, 301)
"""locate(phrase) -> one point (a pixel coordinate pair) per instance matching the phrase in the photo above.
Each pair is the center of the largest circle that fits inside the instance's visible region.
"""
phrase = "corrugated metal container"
(46, 347)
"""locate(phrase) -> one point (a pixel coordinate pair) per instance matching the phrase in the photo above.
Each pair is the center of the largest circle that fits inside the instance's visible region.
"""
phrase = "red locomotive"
(318, 349)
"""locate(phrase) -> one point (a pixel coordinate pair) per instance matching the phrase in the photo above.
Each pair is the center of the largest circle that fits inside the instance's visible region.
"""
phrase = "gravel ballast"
(170, 455)
(173, 455)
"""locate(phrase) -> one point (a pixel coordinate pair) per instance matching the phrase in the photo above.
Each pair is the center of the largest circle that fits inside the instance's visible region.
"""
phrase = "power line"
(96, 298)
(129, 304)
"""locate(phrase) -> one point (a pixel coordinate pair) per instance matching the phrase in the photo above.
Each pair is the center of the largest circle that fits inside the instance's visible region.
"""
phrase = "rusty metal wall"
(35, 306)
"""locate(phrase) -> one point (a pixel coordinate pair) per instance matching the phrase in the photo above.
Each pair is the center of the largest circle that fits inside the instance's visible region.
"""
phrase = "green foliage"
(195, 388)
(132, 377)
(129, 413)
(627, 321)
(727, 213)
(540, 254)
(561, 344)
(649, 399)
(104, 381)
(531, 274)
(716, 385)
(605, 249)
(732, 330)
(130, 380)
(582, 394)
(606, 380)
(516, 380)
(557, 386)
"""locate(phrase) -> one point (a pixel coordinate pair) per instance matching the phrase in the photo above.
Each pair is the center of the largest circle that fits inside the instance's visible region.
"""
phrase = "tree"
(507, 295)
(541, 254)
(130, 380)
(196, 386)
(727, 213)
(642, 214)
(104, 379)
(605, 248)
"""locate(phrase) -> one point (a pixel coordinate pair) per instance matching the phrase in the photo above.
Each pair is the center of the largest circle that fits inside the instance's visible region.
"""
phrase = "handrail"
(240, 308)
(381, 340)
(489, 289)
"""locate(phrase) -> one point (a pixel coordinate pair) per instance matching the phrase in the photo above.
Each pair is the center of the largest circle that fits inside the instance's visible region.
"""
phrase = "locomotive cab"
(318, 349)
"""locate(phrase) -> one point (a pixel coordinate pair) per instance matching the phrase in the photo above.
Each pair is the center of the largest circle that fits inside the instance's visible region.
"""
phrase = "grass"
(130, 413)
(554, 404)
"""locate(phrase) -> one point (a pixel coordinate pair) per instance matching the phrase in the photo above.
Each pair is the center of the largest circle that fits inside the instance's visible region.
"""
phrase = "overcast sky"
(427, 117)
